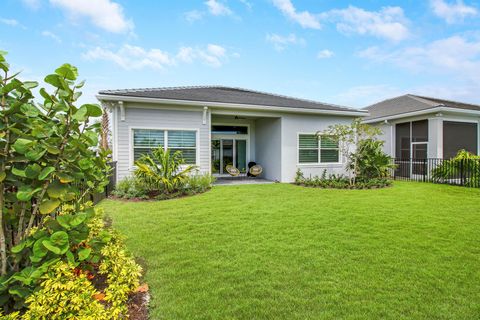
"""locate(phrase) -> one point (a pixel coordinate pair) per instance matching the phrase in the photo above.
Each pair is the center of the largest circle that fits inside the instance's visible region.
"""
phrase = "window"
(145, 140)
(314, 150)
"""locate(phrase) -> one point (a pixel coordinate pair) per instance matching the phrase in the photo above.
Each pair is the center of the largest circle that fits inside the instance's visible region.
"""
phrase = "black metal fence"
(462, 172)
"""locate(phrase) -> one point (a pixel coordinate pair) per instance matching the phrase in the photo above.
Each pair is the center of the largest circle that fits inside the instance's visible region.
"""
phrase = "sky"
(351, 53)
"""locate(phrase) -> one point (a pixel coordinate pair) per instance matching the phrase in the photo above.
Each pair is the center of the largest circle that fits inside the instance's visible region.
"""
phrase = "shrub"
(372, 162)
(64, 294)
(199, 183)
(122, 277)
(130, 188)
(162, 171)
(340, 182)
(464, 165)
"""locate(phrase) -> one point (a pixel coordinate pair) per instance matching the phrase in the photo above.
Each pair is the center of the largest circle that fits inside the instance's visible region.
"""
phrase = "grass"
(286, 252)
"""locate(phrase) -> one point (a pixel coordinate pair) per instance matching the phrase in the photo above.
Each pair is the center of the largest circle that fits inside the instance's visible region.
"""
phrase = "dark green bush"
(340, 182)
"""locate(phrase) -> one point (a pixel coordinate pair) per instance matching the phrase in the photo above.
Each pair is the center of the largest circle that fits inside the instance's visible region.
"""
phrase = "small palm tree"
(162, 170)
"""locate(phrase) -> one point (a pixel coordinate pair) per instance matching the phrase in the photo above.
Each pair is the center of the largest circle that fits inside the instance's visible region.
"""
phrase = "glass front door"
(229, 152)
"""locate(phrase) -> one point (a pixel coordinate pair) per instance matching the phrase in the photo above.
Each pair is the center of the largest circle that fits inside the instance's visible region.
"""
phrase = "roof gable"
(411, 103)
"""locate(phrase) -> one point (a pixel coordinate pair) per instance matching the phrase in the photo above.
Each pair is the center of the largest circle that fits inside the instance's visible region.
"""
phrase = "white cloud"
(51, 35)
(365, 95)
(388, 23)
(192, 16)
(247, 4)
(452, 13)
(304, 18)
(281, 42)
(325, 54)
(217, 8)
(32, 4)
(105, 14)
(10, 22)
(213, 55)
(456, 56)
(131, 57)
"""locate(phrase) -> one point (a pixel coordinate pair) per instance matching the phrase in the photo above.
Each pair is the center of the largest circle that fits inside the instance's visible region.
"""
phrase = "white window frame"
(165, 142)
(319, 163)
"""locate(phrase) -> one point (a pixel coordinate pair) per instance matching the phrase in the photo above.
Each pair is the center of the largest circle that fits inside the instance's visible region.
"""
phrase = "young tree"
(348, 137)
(45, 150)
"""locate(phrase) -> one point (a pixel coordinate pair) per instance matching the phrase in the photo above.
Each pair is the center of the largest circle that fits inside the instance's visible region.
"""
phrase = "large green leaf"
(58, 242)
(32, 171)
(39, 250)
(19, 247)
(55, 80)
(94, 110)
(19, 172)
(56, 190)
(78, 218)
(81, 114)
(64, 178)
(48, 206)
(45, 173)
(84, 253)
(64, 221)
(25, 193)
(35, 154)
(3, 175)
(22, 145)
(67, 71)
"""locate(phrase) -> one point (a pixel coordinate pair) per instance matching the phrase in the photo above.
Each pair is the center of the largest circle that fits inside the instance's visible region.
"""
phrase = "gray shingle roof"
(226, 95)
(411, 103)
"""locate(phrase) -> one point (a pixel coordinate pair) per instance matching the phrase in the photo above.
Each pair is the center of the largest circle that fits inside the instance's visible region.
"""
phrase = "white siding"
(269, 147)
(292, 125)
(143, 116)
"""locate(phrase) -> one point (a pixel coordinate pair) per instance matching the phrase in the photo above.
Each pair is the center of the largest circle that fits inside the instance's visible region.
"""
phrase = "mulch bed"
(138, 306)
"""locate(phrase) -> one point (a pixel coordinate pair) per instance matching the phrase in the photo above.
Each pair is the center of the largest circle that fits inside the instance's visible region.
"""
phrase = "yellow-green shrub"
(64, 295)
(123, 276)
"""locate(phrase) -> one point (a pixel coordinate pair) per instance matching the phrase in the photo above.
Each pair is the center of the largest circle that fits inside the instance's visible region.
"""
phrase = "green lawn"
(286, 252)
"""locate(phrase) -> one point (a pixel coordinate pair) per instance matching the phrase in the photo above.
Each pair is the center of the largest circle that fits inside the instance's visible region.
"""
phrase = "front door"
(229, 152)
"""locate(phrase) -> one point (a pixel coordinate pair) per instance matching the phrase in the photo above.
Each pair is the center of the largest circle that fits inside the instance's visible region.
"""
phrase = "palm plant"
(163, 170)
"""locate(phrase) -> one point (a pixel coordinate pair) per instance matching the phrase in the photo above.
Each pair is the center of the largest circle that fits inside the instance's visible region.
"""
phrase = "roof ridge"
(231, 88)
(385, 100)
(423, 100)
(446, 100)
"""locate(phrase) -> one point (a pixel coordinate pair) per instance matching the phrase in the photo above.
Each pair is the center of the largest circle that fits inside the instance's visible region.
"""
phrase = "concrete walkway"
(231, 181)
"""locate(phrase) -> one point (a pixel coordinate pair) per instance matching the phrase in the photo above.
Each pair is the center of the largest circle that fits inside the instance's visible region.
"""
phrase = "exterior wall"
(144, 116)
(292, 125)
(268, 145)
(435, 131)
(387, 135)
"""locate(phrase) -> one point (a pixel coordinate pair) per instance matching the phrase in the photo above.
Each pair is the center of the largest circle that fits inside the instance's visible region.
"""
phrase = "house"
(214, 126)
(417, 127)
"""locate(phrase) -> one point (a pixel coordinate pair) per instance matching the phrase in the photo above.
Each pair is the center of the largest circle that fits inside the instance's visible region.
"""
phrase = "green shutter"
(327, 156)
(182, 139)
(308, 156)
(328, 142)
(189, 155)
(308, 141)
(148, 138)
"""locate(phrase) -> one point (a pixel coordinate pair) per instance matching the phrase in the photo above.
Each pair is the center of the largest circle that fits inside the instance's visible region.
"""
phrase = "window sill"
(320, 165)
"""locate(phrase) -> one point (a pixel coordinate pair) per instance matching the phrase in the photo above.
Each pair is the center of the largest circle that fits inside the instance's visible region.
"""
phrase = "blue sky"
(347, 52)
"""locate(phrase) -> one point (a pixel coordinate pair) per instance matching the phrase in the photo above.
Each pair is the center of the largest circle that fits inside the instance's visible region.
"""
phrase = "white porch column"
(435, 137)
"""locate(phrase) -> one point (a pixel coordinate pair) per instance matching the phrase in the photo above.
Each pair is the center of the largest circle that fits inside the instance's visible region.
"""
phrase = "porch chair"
(234, 172)
(254, 169)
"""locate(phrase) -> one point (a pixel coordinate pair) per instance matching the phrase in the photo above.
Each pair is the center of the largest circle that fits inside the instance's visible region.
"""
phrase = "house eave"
(423, 112)
(107, 97)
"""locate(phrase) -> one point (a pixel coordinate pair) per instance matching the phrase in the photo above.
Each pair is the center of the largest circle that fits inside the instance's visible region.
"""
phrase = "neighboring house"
(416, 127)
(216, 126)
